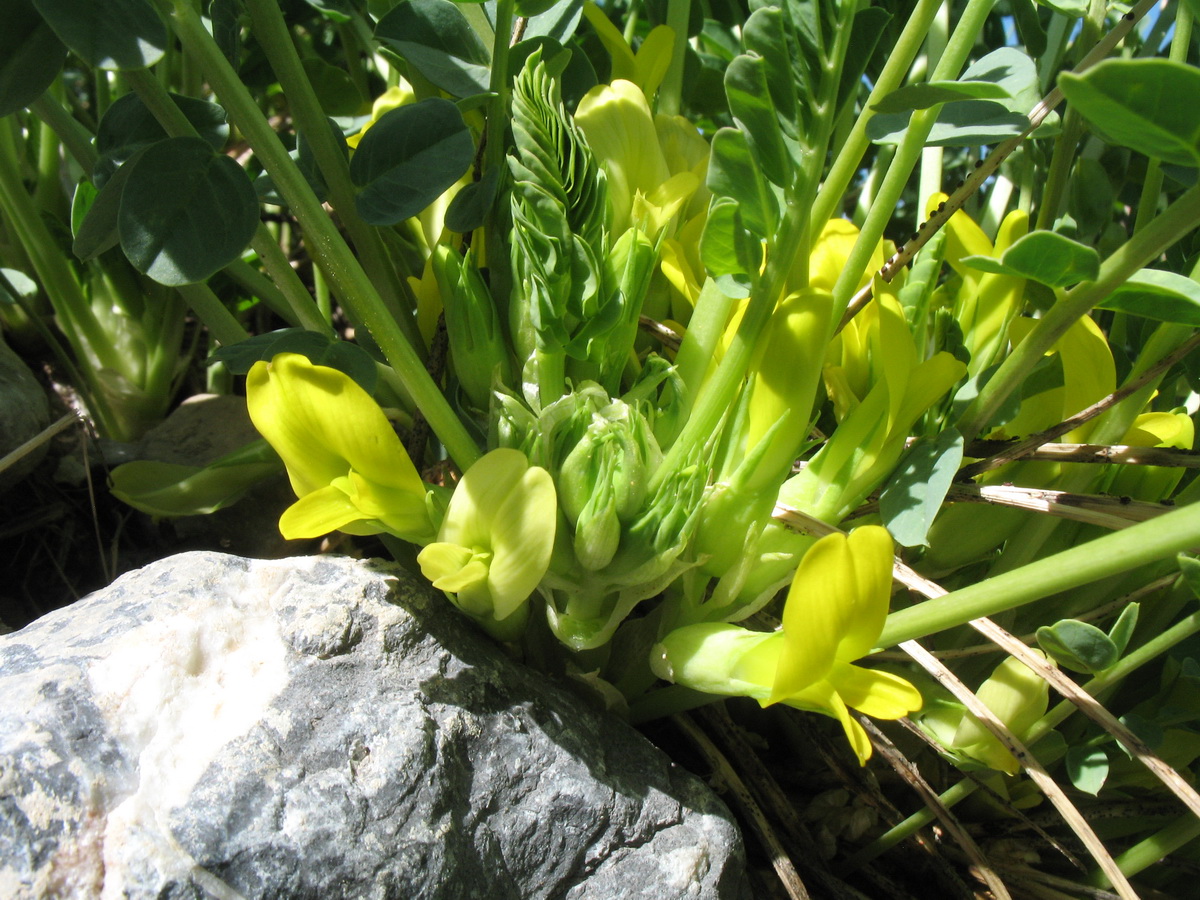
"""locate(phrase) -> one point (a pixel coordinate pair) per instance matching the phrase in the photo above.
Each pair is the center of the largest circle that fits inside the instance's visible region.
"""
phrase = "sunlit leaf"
(436, 39)
(913, 497)
(1046, 257)
(1142, 104)
(408, 159)
(1087, 767)
(1157, 294)
(115, 34)
(1078, 646)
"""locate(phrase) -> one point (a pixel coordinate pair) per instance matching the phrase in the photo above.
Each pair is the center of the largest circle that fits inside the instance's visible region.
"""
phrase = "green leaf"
(334, 87)
(734, 172)
(128, 126)
(408, 159)
(186, 211)
(764, 34)
(1087, 767)
(913, 497)
(726, 247)
(336, 11)
(558, 22)
(225, 16)
(577, 78)
(320, 350)
(167, 489)
(437, 40)
(1159, 295)
(1072, 9)
(750, 103)
(1078, 646)
(115, 34)
(1143, 104)
(1122, 629)
(97, 232)
(931, 93)
(973, 122)
(471, 205)
(31, 56)
(1046, 257)
(1029, 26)
(1189, 568)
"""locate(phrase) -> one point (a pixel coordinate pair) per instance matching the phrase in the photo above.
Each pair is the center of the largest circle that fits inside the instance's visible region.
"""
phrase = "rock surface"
(211, 726)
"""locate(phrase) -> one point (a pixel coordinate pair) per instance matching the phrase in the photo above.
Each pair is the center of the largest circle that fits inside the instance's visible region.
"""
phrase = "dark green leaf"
(557, 22)
(436, 39)
(1143, 104)
(115, 34)
(97, 231)
(734, 172)
(750, 103)
(868, 28)
(186, 211)
(31, 56)
(1029, 26)
(1087, 767)
(913, 497)
(1157, 294)
(1046, 257)
(1122, 629)
(408, 159)
(1078, 646)
(334, 87)
(347, 358)
(931, 93)
(128, 126)
(471, 205)
(225, 16)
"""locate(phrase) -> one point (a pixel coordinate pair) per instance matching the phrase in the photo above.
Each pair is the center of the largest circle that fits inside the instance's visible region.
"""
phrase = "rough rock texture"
(24, 411)
(211, 726)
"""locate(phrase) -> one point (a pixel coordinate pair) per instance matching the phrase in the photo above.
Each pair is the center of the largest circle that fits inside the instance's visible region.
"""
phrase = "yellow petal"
(317, 513)
(822, 698)
(522, 540)
(879, 695)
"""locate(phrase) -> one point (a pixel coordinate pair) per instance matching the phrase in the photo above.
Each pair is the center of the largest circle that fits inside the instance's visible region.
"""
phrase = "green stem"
(385, 273)
(670, 93)
(1177, 220)
(1154, 848)
(76, 138)
(220, 322)
(958, 49)
(324, 242)
(74, 313)
(1111, 554)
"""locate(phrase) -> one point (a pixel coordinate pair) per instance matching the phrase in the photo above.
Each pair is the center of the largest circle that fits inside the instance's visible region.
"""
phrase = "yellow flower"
(494, 544)
(833, 615)
(392, 98)
(346, 464)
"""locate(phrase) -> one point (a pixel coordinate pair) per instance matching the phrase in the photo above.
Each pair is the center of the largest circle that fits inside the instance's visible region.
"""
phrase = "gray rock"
(24, 411)
(211, 726)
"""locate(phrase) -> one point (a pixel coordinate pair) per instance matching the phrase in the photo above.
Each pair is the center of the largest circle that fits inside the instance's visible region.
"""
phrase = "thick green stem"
(324, 242)
(392, 287)
(1177, 220)
(1111, 554)
(76, 138)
